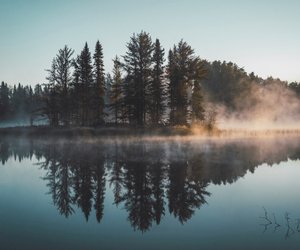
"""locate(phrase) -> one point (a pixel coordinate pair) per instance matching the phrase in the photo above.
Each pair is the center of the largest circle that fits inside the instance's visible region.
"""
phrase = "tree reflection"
(145, 178)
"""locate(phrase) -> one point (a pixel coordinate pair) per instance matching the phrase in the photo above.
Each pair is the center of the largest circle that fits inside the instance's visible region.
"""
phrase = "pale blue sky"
(260, 35)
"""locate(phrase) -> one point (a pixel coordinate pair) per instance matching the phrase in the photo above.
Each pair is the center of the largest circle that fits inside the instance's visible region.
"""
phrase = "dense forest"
(144, 89)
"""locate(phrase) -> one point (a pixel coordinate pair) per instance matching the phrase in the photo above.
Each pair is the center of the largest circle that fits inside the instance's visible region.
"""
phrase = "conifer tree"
(197, 100)
(4, 101)
(85, 81)
(99, 85)
(157, 90)
(116, 90)
(64, 79)
(184, 69)
(138, 62)
(60, 79)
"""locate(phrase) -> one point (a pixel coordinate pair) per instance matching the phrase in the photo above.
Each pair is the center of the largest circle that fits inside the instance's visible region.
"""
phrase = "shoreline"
(130, 132)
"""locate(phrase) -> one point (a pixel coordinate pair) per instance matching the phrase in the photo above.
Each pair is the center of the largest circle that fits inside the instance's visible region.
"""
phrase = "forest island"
(146, 91)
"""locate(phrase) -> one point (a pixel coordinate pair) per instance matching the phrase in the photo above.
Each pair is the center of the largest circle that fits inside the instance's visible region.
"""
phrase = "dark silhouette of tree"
(117, 179)
(158, 175)
(107, 95)
(185, 194)
(172, 75)
(84, 69)
(138, 62)
(99, 86)
(4, 101)
(197, 100)
(116, 97)
(184, 70)
(137, 195)
(178, 82)
(63, 187)
(157, 89)
(5, 152)
(138, 200)
(99, 187)
(60, 79)
(85, 194)
(59, 177)
(52, 105)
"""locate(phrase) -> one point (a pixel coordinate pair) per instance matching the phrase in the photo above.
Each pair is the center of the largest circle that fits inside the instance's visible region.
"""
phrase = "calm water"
(168, 194)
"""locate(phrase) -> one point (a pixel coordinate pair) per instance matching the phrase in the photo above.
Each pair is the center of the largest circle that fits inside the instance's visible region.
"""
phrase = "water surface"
(152, 194)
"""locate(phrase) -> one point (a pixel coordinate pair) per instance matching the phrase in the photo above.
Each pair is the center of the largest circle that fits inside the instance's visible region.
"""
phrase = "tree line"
(143, 89)
(20, 102)
(139, 92)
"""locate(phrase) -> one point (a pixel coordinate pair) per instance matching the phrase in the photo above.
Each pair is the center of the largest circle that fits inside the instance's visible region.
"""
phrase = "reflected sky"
(146, 195)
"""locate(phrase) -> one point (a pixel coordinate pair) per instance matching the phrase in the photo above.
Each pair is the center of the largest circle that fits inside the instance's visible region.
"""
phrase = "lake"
(156, 193)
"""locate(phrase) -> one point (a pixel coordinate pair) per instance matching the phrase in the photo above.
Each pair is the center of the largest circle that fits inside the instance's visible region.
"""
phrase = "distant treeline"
(142, 89)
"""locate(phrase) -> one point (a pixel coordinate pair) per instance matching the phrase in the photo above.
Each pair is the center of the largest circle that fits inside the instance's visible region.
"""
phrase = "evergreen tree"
(4, 101)
(138, 62)
(198, 112)
(116, 90)
(99, 188)
(63, 80)
(184, 69)
(60, 80)
(85, 81)
(107, 94)
(99, 85)
(197, 100)
(76, 94)
(171, 72)
(157, 91)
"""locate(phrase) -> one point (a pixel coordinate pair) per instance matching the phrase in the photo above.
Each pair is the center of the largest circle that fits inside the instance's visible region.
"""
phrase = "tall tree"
(138, 62)
(4, 101)
(171, 72)
(116, 91)
(99, 85)
(184, 69)
(60, 79)
(157, 90)
(85, 81)
(197, 100)
(64, 78)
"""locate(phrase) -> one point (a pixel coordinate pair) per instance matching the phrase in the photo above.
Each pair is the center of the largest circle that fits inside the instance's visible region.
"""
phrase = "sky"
(258, 35)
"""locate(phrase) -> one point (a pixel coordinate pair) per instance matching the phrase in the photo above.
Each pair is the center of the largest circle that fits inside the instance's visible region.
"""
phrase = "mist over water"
(261, 107)
(107, 191)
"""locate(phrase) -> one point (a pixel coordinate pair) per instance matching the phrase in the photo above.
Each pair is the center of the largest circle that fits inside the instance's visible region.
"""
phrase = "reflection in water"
(147, 178)
(271, 222)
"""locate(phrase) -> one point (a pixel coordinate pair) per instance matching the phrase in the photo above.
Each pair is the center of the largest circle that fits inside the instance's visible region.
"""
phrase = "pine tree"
(64, 79)
(99, 85)
(107, 93)
(76, 94)
(85, 81)
(184, 69)
(116, 90)
(157, 90)
(60, 80)
(171, 72)
(4, 101)
(138, 62)
(197, 102)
